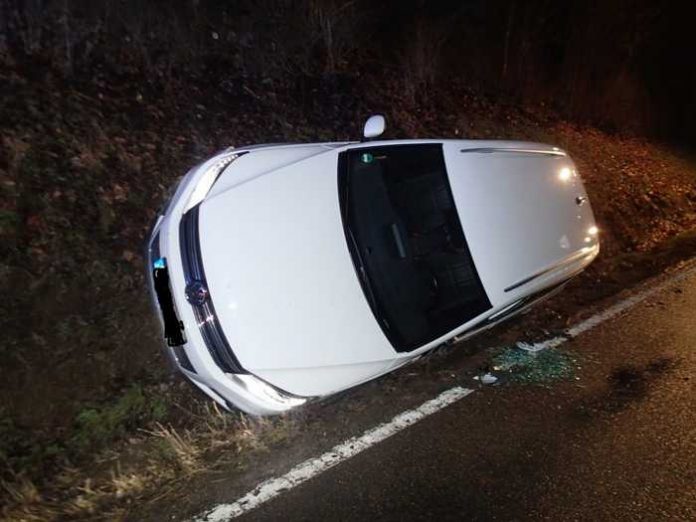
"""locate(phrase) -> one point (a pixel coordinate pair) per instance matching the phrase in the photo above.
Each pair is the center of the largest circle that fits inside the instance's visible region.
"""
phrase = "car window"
(407, 243)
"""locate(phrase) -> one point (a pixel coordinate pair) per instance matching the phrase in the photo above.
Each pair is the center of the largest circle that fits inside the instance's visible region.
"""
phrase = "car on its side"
(293, 271)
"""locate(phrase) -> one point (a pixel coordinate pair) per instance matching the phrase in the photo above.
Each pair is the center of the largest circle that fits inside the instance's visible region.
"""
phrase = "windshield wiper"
(364, 278)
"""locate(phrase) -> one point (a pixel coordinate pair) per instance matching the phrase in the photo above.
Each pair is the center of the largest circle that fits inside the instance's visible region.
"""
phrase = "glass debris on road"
(486, 378)
(534, 367)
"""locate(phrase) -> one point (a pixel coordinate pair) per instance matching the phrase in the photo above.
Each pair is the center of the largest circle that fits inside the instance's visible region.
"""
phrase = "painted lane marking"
(313, 467)
(609, 313)
(304, 471)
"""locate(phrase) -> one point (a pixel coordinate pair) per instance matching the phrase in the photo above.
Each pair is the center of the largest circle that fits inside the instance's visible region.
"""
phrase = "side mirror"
(374, 126)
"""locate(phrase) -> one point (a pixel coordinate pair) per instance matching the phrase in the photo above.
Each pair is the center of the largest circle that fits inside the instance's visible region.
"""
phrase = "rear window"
(407, 242)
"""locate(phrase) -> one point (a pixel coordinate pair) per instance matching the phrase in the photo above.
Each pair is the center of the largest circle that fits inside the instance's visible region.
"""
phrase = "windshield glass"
(407, 243)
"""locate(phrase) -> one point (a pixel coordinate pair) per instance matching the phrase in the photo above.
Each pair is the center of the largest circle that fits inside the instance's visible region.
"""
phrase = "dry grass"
(162, 454)
(26, 502)
(218, 425)
(181, 447)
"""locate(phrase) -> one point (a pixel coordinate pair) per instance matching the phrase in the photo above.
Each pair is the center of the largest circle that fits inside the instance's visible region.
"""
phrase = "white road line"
(609, 313)
(310, 468)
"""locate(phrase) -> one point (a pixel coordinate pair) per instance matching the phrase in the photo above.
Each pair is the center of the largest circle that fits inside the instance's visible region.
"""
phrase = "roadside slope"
(90, 417)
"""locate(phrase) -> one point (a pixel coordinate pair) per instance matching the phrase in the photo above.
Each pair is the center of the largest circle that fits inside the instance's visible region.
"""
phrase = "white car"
(289, 272)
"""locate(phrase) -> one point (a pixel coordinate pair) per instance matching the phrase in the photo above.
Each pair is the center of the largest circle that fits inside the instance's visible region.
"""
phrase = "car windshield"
(407, 242)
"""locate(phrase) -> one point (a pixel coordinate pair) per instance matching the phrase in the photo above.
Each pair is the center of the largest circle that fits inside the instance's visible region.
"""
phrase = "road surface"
(616, 442)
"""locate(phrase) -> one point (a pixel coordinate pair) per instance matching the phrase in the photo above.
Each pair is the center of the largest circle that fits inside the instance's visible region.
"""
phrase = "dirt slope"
(83, 168)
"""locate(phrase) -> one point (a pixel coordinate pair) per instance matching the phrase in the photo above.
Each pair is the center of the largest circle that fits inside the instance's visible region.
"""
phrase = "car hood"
(518, 208)
(283, 283)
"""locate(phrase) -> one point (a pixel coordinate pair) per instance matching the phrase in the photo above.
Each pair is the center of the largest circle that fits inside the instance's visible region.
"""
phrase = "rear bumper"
(193, 358)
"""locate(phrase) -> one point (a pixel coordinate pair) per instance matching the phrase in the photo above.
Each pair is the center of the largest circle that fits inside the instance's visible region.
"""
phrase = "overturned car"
(287, 272)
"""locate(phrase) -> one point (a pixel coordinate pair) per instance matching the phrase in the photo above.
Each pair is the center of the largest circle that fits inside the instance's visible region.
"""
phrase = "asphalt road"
(615, 442)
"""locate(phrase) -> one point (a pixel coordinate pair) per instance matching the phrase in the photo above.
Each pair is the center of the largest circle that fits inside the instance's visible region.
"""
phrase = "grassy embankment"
(89, 416)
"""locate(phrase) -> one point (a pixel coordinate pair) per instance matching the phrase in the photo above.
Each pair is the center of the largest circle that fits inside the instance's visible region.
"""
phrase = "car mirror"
(374, 126)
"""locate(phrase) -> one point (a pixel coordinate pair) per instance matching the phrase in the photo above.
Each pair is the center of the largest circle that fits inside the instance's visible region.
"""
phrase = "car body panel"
(325, 380)
(261, 161)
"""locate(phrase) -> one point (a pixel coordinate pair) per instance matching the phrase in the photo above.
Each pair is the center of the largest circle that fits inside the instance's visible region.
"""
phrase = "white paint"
(312, 467)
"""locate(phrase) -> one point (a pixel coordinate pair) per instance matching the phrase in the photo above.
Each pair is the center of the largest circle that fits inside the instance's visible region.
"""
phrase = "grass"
(94, 428)
(129, 468)
(180, 448)
(98, 425)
